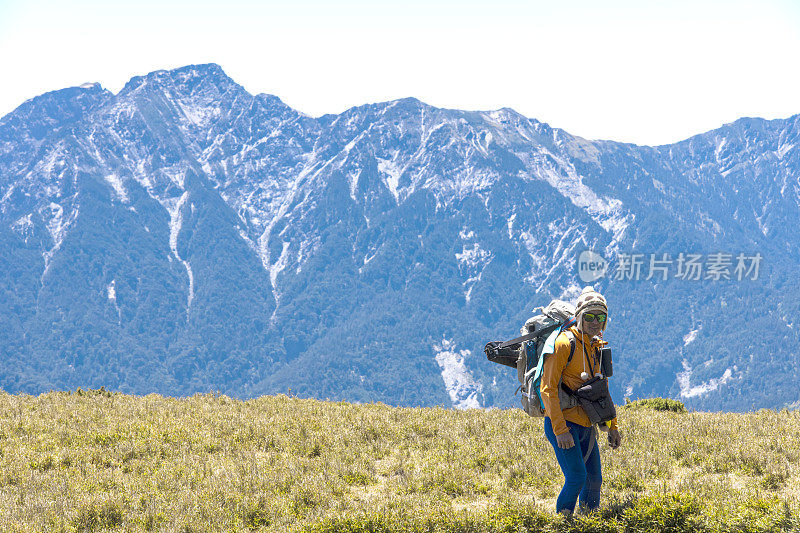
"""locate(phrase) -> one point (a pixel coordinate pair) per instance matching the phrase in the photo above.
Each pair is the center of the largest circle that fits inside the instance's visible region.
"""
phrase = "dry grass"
(96, 461)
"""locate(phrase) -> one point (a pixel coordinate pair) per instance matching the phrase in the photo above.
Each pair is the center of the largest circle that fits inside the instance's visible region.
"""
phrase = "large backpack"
(528, 353)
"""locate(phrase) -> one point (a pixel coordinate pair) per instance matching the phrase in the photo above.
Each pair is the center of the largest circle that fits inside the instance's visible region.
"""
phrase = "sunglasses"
(591, 317)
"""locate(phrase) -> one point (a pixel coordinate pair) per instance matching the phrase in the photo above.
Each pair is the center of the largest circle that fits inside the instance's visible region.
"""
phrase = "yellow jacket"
(556, 369)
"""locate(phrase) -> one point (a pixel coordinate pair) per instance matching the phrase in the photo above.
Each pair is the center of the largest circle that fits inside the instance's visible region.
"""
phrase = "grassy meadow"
(97, 461)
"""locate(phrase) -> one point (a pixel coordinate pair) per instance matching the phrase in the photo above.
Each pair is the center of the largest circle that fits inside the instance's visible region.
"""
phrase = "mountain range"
(184, 236)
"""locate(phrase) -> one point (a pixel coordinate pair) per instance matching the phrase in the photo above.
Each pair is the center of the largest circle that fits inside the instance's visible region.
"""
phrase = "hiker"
(570, 431)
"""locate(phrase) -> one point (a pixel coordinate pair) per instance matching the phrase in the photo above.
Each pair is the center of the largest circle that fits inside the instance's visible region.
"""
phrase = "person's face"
(592, 324)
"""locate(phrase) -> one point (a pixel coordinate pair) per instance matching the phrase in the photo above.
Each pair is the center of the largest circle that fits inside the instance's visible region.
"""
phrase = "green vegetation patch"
(657, 404)
(208, 463)
(666, 513)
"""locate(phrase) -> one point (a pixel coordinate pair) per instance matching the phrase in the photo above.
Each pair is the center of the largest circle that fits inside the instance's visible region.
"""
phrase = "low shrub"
(657, 404)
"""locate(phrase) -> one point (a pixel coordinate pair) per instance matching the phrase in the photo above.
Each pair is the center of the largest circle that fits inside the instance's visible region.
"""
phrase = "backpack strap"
(565, 396)
(571, 348)
(571, 337)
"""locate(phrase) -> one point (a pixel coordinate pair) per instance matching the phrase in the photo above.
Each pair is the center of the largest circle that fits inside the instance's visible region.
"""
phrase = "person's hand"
(565, 441)
(614, 438)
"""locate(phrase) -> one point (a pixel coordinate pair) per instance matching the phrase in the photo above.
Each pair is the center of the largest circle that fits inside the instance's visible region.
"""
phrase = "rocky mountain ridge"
(184, 235)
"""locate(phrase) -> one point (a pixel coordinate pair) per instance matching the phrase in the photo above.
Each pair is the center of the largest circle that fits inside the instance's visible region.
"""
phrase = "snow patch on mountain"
(279, 265)
(307, 249)
(53, 215)
(609, 213)
(571, 293)
(763, 227)
(469, 180)
(23, 226)
(688, 391)
(7, 195)
(57, 224)
(141, 175)
(111, 293)
(52, 159)
(392, 171)
(783, 150)
(712, 226)
(174, 207)
(462, 388)
(617, 228)
(466, 234)
(691, 336)
(570, 238)
(189, 273)
(472, 262)
(469, 284)
(352, 178)
(473, 257)
(718, 150)
(199, 115)
(271, 202)
(116, 184)
(537, 259)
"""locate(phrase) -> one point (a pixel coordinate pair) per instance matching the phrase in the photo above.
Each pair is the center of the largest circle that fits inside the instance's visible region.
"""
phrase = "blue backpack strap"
(549, 348)
(564, 327)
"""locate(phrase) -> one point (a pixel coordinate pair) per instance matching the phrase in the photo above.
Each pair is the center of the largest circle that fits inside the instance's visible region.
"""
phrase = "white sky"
(649, 72)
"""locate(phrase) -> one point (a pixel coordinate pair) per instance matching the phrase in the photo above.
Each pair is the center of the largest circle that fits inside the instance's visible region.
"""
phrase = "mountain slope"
(184, 235)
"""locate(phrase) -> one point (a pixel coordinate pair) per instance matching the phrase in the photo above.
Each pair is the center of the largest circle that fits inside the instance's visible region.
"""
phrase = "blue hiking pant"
(580, 479)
